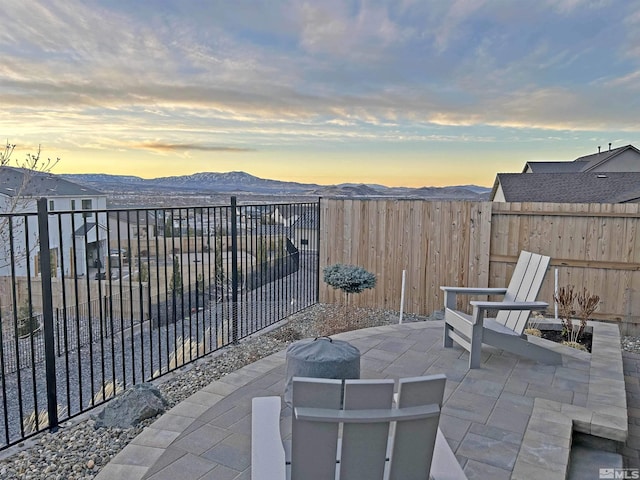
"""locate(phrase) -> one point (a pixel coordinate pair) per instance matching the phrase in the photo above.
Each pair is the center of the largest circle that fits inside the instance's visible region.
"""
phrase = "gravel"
(78, 450)
(630, 344)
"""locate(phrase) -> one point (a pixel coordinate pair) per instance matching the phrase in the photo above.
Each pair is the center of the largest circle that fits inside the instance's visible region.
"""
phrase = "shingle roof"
(584, 187)
(554, 167)
(26, 183)
(309, 219)
(581, 164)
(84, 229)
(596, 159)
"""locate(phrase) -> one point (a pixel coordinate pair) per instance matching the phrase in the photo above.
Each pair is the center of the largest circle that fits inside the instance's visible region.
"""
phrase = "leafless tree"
(19, 201)
(33, 164)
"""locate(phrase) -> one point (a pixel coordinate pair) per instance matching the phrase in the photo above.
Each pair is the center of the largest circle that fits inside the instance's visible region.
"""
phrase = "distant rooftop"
(27, 183)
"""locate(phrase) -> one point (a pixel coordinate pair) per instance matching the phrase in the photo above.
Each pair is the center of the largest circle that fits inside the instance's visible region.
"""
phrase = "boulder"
(132, 406)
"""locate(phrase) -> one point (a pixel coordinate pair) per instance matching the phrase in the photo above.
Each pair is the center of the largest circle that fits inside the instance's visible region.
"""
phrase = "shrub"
(587, 303)
(144, 272)
(176, 278)
(566, 299)
(348, 278)
(28, 324)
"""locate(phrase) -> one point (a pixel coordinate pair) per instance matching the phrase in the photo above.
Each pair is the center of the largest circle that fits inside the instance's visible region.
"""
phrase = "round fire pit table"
(321, 357)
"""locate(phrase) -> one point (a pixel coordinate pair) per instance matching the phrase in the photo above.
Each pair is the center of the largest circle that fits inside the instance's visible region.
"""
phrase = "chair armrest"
(509, 305)
(444, 465)
(474, 290)
(450, 294)
(267, 452)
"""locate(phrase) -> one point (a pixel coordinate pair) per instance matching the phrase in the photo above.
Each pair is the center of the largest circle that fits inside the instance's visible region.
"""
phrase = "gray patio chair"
(360, 434)
(506, 330)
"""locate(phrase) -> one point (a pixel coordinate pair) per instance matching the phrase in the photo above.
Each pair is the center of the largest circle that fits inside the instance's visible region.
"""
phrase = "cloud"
(459, 12)
(569, 6)
(197, 75)
(179, 147)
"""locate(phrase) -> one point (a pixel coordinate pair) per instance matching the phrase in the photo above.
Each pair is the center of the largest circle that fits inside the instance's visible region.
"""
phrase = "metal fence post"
(47, 314)
(234, 271)
(318, 239)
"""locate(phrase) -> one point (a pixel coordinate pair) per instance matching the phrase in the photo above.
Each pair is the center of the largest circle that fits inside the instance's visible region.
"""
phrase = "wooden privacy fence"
(477, 244)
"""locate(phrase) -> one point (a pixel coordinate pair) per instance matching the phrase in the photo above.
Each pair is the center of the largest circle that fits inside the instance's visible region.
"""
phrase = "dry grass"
(576, 345)
(34, 422)
(107, 391)
(345, 319)
(287, 333)
(533, 325)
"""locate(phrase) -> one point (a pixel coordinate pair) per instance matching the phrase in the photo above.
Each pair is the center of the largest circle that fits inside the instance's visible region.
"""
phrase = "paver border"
(606, 420)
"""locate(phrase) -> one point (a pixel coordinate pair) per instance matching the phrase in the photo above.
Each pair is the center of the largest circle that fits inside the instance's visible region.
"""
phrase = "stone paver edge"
(590, 419)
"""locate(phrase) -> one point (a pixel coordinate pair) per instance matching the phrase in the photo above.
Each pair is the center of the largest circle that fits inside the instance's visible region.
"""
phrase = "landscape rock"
(134, 405)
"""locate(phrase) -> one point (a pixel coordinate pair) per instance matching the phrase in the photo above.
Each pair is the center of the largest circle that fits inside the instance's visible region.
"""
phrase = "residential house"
(128, 228)
(299, 224)
(278, 218)
(305, 230)
(611, 176)
(82, 235)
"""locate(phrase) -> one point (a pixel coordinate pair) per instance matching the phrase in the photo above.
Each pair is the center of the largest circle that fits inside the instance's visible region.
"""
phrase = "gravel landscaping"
(630, 344)
(79, 450)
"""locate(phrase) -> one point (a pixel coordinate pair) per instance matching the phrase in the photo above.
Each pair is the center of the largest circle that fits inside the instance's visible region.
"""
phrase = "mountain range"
(246, 184)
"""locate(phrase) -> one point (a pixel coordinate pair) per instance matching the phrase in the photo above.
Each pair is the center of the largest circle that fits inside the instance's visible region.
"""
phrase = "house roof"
(87, 228)
(84, 229)
(309, 219)
(27, 183)
(581, 164)
(553, 167)
(596, 159)
(582, 187)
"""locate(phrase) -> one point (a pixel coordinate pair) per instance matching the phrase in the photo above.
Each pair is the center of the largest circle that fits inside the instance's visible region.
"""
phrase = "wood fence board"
(416, 278)
(436, 245)
(381, 248)
(477, 243)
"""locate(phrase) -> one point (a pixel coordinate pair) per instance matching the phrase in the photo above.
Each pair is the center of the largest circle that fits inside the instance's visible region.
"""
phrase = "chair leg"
(475, 354)
(447, 341)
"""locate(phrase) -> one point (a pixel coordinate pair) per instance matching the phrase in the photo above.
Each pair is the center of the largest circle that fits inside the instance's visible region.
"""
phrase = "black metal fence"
(92, 301)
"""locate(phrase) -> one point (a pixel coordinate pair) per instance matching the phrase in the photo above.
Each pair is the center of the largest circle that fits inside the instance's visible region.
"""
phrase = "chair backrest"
(365, 412)
(524, 287)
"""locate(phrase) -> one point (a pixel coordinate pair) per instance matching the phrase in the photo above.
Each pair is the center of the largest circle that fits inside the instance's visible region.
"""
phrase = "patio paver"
(512, 418)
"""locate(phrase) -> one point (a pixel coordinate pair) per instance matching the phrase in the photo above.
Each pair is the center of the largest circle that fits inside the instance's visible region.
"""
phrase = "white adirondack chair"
(506, 330)
(361, 435)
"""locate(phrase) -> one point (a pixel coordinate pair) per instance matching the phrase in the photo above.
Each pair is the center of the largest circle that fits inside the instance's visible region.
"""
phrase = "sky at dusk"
(405, 92)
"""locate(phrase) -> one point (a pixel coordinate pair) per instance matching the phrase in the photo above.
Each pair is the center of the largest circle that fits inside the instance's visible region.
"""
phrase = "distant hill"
(244, 183)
